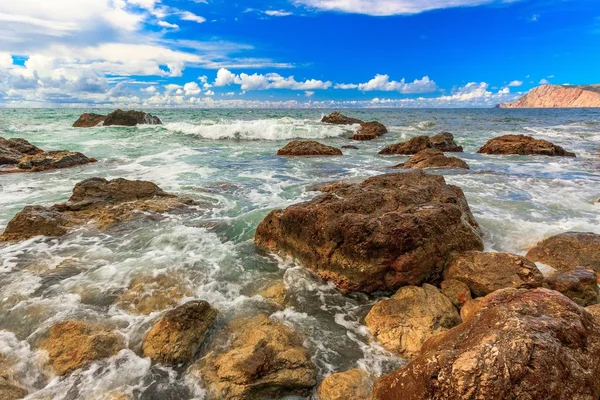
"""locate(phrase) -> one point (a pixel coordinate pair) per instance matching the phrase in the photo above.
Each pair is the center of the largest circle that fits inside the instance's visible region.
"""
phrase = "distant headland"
(558, 96)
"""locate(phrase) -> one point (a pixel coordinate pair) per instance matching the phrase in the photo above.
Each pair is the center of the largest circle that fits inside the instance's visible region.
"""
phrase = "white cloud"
(168, 25)
(191, 89)
(188, 16)
(383, 83)
(278, 13)
(309, 93)
(269, 81)
(224, 77)
(209, 93)
(150, 89)
(544, 82)
(515, 83)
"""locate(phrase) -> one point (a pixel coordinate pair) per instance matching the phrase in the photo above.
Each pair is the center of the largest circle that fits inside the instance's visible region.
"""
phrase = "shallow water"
(226, 158)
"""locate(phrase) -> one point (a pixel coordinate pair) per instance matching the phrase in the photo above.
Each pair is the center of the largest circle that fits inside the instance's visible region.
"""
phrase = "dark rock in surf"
(523, 145)
(89, 120)
(131, 118)
(369, 131)
(308, 148)
(431, 158)
(444, 141)
(413, 146)
(49, 160)
(340, 119)
(350, 147)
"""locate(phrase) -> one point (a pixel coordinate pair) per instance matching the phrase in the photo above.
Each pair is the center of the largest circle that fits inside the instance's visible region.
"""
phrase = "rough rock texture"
(523, 344)
(523, 145)
(355, 384)
(431, 158)
(413, 146)
(74, 344)
(21, 146)
(131, 118)
(558, 96)
(566, 251)
(95, 199)
(178, 335)
(369, 131)
(386, 232)
(595, 311)
(148, 294)
(579, 284)
(414, 314)
(340, 119)
(470, 308)
(488, 272)
(266, 360)
(308, 148)
(53, 160)
(10, 389)
(457, 291)
(444, 141)
(275, 294)
(88, 120)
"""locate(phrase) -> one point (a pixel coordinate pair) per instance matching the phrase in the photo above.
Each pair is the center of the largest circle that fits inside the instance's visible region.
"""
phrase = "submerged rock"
(522, 344)
(431, 158)
(53, 160)
(148, 294)
(266, 360)
(10, 389)
(386, 232)
(579, 284)
(308, 148)
(414, 314)
(340, 119)
(178, 335)
(485, 273)
(88, 120)
(74, 344)
(355, 384)
(350, 147)
(413, 146)
(276, 294)
(444, 141)
(523, 145)
(369, 131)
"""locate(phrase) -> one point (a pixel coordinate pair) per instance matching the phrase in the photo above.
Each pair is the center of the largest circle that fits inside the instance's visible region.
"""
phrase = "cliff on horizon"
(558, 96)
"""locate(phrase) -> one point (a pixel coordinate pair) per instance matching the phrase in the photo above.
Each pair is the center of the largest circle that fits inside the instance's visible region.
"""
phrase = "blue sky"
(292, 53)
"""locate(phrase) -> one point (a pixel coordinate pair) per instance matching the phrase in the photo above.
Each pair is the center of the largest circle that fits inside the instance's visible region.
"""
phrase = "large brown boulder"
(36, 221)
(522, 344)
(595, 311)
(444, 141)
(431, 158)
(523, 145)
(265, 360)
(178, 335)
(340, 119)
(414, 314)
(413, 146)
(20, 146)
(579, 284)
(148, 294)
(458, 292)
(74, 344)
(130, 118)
(53, 160)
(369, 131)
(488, 272)
(355, 384)
(569, 250)
(88, 120)
(386, 232)
(308, 148)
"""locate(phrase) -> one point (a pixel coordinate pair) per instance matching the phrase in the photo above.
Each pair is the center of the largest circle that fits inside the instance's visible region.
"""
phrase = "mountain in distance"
(558, 96)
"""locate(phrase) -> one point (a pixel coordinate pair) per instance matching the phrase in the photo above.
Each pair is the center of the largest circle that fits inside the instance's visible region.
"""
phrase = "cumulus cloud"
(269, 81)
(515, 83)
(383, 83)
(544, 82)
(191, 89)
(278, 13)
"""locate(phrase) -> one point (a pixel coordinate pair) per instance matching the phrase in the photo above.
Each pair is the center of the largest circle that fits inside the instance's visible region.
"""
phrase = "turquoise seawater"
(226, 158)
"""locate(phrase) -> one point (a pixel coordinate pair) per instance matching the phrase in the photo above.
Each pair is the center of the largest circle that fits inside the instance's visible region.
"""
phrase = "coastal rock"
(470, 308)
(350, 147)
(355, 384)
(340, 119)
(595, 311)
(148, 294)
(36, 221)
(523, 145)
(569, 250)
(74, 344)
(130, 118)
(414, 314)
(444, 141)
(389, 231)
(485, 273)
(579, 284)
(308, 148)
(20, 146)
(9, 391)
(9, 157)
(431, 158)
(53, 160)
(178, 335)
(275, 294)
(558, 96)
(413, 146)
(522, 344)
(89, 120)
(369, 131)
(457, 291)
(266, 360)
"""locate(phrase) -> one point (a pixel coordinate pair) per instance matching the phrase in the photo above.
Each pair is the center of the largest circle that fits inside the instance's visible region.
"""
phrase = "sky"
(291, 53)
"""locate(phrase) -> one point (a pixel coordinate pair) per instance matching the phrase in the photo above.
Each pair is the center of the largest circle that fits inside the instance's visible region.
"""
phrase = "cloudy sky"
(291, 53)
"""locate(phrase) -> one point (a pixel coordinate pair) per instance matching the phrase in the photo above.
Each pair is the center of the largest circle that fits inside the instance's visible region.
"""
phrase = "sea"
(226, 159)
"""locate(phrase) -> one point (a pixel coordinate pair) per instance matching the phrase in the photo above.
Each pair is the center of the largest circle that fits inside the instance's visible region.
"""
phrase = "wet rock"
(178, 335)
(569, 250)
(350, 147)
(444, 141)
(523, 145)
(369, 131)
(579, 284)
(53, 160)
(523, 344)
(9, 391)
(75, 344)
(595, 311)
(20, 146)
(355, 384)
(414, 314)
(89, 120)
(148, 294)
(431, 158)
(9, 157)
(36, 221)
(386, 232)
(339, 119)
(488, 272)
(457, 291)
(275, 294)
(470, 308)
(131, 118)
(413, 146)
(266, 360)
(308, 148)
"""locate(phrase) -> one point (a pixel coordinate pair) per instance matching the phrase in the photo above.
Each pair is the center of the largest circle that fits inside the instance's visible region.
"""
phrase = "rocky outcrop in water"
(414, 314)
(265, 360)
(521, 344)
(99, 200)
(74, 344)
(178, 335)
(89, 120)
(369, 131)
(118, 118)
(355, 384)
(386, 232)
(148, 294)
(568, 251)
(524, 146)
(431, 158)
(579, 284)
(275, 294)
(308, 148)
(558, 96)
(443, 142)
(336, 118)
